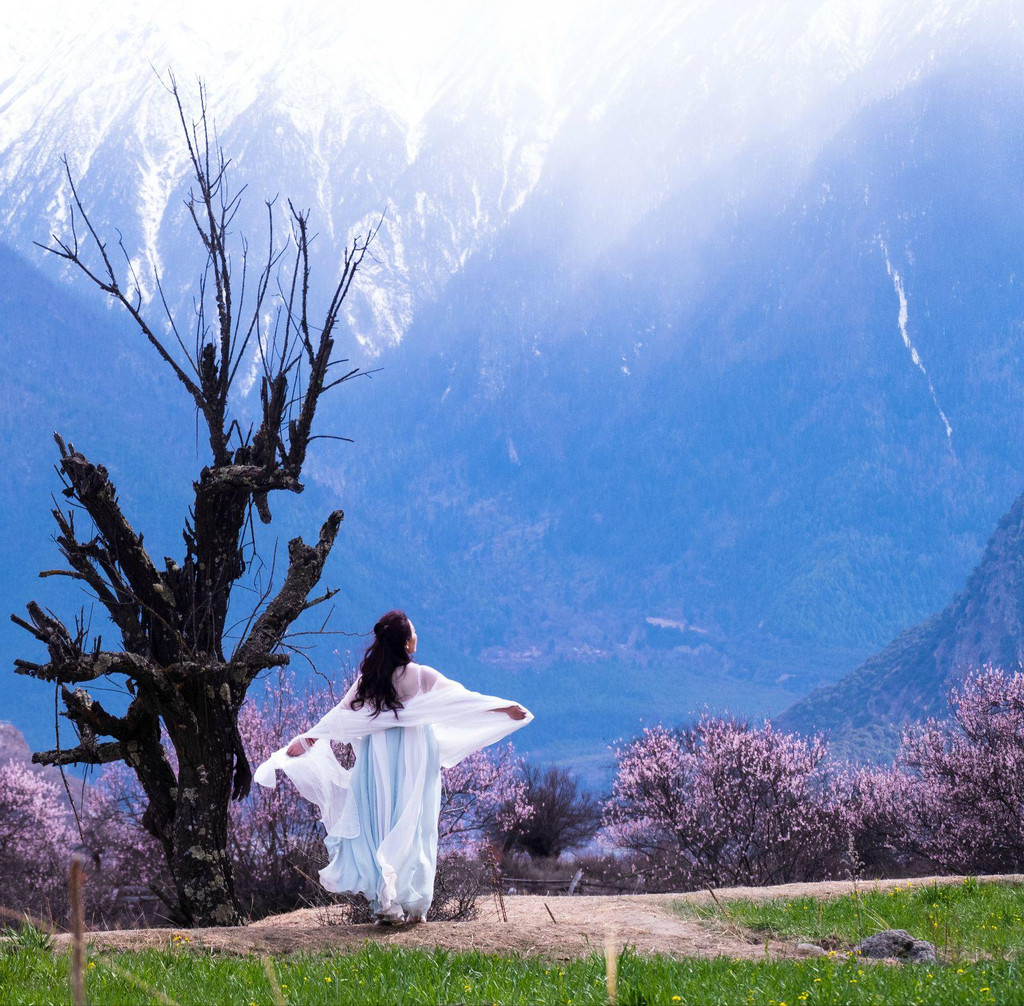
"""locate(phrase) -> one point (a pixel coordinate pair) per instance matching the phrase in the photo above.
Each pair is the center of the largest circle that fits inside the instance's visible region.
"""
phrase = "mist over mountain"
(695, 386)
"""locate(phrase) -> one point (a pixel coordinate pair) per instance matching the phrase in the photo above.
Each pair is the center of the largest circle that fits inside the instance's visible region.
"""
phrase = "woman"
(406, 722)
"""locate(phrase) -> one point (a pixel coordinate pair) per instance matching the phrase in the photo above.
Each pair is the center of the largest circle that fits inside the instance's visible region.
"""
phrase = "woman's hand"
(300, 746)
(514, 712)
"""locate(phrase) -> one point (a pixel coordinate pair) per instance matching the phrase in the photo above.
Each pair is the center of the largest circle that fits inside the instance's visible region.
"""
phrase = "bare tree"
(564, 816)
(184, 682)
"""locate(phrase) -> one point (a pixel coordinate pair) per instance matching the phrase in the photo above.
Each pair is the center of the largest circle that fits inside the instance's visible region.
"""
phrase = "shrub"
(726, 803)
(967, 791)
(36, 836)
(561, 816)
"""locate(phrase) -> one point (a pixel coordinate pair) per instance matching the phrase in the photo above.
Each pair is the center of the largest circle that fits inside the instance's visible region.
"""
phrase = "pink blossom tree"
(36, 836)
(481, 797)
(874, 804)
(726, 803)
(967, 792)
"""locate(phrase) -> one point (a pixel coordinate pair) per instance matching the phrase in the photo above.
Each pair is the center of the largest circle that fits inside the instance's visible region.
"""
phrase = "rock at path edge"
(898, 944)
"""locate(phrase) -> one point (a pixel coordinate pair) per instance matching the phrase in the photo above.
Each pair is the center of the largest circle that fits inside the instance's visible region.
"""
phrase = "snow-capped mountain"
(450, 116)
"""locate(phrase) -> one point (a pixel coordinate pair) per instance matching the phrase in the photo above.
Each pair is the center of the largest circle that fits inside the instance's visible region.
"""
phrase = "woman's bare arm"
(515, 712)
(300, 746)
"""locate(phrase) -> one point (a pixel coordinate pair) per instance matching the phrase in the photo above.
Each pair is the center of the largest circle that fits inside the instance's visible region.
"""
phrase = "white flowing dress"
(381, 815)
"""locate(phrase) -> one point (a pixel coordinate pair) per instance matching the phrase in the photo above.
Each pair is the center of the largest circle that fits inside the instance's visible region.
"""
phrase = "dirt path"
(580, 926)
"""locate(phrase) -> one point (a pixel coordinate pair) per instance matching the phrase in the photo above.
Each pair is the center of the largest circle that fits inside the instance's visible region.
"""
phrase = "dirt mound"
(579, 927)
(560, 928)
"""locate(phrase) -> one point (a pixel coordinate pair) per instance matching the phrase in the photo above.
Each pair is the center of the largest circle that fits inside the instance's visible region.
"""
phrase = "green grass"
(963, 920)
(387, 975)
(967, 921)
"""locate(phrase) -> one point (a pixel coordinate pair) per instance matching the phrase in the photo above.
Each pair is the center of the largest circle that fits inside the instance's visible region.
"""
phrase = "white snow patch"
(901, 320)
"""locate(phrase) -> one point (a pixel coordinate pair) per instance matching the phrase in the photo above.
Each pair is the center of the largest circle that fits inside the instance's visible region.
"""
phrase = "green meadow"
(977, 928)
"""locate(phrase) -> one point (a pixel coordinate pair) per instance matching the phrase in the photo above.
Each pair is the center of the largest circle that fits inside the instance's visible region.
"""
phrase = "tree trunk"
(198, 856)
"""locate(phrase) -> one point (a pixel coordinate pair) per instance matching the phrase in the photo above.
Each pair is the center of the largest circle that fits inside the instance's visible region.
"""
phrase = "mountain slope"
(863, 713)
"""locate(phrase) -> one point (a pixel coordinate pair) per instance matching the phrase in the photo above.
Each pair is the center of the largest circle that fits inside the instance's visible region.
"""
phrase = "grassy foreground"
(977, 928)
(388, 975)
(963, 920)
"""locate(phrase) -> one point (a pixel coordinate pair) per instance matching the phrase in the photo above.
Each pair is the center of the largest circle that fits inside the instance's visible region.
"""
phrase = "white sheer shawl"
(463, 722)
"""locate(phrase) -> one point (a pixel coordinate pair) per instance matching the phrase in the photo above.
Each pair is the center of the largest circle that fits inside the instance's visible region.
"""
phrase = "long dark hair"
(383, 657)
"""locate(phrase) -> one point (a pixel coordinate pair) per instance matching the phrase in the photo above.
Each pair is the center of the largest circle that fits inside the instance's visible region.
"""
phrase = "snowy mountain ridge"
(451, 115)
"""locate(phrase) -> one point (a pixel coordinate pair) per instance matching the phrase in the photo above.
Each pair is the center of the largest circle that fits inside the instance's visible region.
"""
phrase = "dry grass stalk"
(730, 924)
(275, 985)
(611, 963)
(499, 898)
(154, 993)
(75, 882)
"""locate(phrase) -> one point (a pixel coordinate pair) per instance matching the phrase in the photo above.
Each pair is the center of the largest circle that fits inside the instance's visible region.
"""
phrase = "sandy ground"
(580, 925)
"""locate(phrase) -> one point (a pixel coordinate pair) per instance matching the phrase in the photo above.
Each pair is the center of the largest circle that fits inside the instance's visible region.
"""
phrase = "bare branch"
(252, 478)
(325, 596)
(84, 754)
(305, 564)
(318, 357)
(90, 716)
(91, 562)
(109, 285)
(92, 487)
(88, 667)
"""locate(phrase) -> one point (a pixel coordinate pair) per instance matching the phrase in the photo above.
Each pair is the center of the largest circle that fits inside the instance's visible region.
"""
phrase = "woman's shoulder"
(417, 668)
(427, 676)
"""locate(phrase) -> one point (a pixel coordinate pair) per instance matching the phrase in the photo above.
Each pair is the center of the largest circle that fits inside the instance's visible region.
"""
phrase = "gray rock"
(811, 950)
(898, 944)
